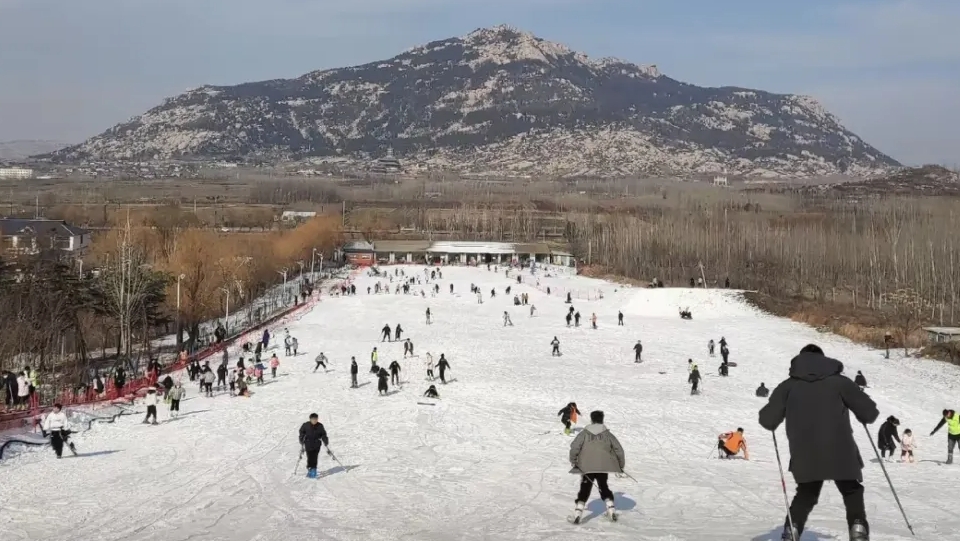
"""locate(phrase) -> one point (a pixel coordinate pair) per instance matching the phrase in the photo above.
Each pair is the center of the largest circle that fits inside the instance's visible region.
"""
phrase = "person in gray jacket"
(176, 395)
(594, 454)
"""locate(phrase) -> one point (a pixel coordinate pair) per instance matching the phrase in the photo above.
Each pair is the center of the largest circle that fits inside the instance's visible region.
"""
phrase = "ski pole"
(783, 483)
(889, 483)
(335, 459)
(295, 468)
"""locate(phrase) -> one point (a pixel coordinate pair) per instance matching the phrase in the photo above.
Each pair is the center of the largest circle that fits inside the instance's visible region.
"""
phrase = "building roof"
(949, 331)
(401, 246)
(461, 247)
(358, 246)
(41, 226)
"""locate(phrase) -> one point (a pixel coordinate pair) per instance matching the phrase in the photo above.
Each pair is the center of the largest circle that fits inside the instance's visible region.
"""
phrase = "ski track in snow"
(478, 465)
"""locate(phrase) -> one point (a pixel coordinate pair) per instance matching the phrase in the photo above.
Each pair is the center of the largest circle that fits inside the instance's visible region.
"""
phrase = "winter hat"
(596, 417)
(811, 348)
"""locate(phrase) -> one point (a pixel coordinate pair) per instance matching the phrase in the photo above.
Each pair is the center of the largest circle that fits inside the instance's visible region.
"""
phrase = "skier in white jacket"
(151, 399)
(428, 364)
(57, 425)
(907, 446)
(23, 392)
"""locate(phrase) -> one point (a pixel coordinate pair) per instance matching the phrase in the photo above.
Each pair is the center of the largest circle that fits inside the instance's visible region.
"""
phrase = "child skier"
(907, 445)
(556, 347)
(428, 364)
(506, 319)
(176, 395)
(353, 372)
(382, 377)
(595, 453)
(593, 320)
(294, 344)
(432, 392)
(710, 347)
(568, 416)
(322, 361)
(374, 356)
(274, 364)
(694, 380)
(151, 400)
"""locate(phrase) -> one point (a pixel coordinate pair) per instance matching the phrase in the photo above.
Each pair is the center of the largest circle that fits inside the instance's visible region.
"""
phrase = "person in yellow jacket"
(952, 420)
(731, 443)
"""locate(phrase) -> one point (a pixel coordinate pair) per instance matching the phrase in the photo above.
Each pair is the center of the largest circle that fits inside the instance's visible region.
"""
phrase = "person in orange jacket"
(731, 443)
(568, 416)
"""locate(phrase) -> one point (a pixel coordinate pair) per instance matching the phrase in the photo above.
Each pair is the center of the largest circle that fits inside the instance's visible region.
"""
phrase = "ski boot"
(312, 473)
(949, 459)
(612, 511)
(859, 531)
(567, 432)
(577, 513)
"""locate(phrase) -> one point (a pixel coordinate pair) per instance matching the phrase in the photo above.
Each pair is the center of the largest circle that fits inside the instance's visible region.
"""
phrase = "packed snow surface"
(489, 461)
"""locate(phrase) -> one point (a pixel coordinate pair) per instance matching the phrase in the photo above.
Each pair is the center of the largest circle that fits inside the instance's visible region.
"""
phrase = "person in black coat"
(312, 437)
(353, 372)
(638, 352)
(395, 373)
(860, 380)
(762, 391)
(815, 401)
(886, 436)
(386, 333)
(443, 366)
(382, 377)
(694, 380)
(566, 416)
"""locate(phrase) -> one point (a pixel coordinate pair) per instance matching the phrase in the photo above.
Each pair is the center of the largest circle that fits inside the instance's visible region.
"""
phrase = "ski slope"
(489, 461)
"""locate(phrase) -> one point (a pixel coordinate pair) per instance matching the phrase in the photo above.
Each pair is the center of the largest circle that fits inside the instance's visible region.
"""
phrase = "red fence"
(130, 388)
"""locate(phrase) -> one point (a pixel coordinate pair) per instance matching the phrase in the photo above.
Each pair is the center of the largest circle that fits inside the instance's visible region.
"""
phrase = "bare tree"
(125, 284)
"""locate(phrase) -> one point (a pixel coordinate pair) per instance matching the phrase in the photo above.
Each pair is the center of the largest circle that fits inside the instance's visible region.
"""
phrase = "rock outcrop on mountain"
(498, 101)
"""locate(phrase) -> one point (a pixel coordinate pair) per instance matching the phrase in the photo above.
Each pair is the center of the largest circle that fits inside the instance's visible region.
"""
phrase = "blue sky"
(890, 69)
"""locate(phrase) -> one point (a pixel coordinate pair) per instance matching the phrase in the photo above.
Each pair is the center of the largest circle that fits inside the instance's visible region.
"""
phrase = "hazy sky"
(889, 69)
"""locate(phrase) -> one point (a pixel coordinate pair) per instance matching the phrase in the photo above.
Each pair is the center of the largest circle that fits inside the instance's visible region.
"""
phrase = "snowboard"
(573, 519)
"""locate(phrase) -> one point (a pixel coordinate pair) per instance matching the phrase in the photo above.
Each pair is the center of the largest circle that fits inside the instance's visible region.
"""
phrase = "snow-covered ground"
(489, 461)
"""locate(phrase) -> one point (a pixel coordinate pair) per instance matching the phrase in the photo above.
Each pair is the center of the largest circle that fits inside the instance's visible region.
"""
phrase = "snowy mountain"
(499, 100)
(488, 461)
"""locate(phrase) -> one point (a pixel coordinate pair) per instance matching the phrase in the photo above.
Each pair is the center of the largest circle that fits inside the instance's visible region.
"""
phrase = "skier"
(265, 339)
(294, 344)
(374, 357)
(724, 353)
(407, 348)
(176, 395)
(815, 401)
(620, 319)
(322, 361)
(569, 318)
(395, 373)
(886, 436)
(506, 319)
(150, 400)
(594, 454)
(221, 376)
(432, 392)
(428, 314)
(287, 345)
(398, 332)
(593, 320)
(576, 319)
(556, 347)
(312, 438)
(907, 446)
(762, 391)
(690, 365)
(242, 389)
(710, 347)
(443, 366)
(723, 342)
(56, 425)
(694, 380)
(731, 443)
(208, 378)
(167, 385)
(568, 416)
(952, 419)
(451, 289)
(638, 352)
(533, 310)
(353, 372)
(429, 366)
(274, 364)
(386, 333)
(860, 380)
(382, 377)
(724, 370)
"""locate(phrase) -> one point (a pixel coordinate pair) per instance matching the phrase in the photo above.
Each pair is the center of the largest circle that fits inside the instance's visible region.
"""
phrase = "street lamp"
(226, 316)
(284, 293)
(181, 277)
(313, 257)
(301, 269)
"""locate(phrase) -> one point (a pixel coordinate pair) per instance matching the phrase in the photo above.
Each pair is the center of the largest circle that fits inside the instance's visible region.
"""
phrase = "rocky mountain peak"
(500, 101)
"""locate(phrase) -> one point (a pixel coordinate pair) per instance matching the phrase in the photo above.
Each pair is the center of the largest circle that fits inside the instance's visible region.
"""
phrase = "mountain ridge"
(501, 101)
